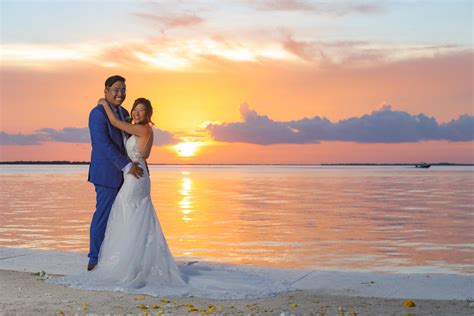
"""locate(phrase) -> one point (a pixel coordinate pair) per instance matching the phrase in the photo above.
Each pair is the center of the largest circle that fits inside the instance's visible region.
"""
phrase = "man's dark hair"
(111, 80)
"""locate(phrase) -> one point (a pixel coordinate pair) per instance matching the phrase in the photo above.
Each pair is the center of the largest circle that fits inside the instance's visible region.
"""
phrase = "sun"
(187, 149)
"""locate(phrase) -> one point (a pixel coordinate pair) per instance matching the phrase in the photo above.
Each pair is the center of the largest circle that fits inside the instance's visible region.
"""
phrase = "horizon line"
(62, 162)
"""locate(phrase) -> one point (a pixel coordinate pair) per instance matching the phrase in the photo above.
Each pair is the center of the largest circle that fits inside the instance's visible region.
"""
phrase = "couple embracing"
(126, 241)
(128, 251)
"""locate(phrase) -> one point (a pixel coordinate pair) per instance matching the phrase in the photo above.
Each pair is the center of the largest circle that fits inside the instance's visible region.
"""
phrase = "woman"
(135, 252)
(135, 257)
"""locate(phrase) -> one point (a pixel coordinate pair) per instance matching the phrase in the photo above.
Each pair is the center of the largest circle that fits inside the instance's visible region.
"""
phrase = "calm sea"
(393, 219)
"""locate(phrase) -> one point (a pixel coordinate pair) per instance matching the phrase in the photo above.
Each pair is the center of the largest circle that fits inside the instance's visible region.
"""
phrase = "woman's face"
(139, 114)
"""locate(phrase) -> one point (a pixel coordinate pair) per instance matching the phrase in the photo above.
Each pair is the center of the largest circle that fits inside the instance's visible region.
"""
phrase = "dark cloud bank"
(381, 126)
(70, 135)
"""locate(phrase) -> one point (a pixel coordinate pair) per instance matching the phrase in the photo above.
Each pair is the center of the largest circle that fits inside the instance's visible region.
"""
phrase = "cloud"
(256, 129)
(170, 21)
(381, 126)
(353, 54)
(72, 135)
(285, 5)
(460, 129)
(66, 135)
(305, 50)
(19, 139)
(209, 53)
(118, 54)
(161, 138)
(329, 8)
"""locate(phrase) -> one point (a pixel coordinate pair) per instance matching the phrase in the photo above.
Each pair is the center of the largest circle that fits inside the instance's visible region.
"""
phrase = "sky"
(277, 81)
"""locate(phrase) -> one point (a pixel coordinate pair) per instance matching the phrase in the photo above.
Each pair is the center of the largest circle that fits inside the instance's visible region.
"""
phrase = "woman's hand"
(103, 102)
(108, 111)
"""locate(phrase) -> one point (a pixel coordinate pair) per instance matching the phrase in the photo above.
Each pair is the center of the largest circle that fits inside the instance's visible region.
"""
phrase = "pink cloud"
(305, 50)
(170, 21)
(362, 53)
(286, 5)
(335, 9)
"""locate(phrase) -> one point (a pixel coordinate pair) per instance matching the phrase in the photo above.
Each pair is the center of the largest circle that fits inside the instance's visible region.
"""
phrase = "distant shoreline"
(60, 162)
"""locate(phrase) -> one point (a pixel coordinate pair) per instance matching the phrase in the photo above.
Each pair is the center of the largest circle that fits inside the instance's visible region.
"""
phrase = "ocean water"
(384, 219)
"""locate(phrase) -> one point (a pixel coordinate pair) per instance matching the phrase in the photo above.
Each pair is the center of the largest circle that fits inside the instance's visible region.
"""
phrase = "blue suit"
(108, 159)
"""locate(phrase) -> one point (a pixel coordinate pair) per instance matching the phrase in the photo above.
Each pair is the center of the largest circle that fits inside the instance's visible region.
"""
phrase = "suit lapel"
(116, 136)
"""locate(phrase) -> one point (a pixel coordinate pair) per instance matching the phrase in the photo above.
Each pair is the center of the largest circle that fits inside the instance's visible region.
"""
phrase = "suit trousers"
(105, 197)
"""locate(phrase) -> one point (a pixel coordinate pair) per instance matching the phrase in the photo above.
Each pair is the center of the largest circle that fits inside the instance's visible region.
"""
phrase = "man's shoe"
(91, 266)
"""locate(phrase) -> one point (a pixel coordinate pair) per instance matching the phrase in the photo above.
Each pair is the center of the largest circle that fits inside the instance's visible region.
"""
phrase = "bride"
(135, 257)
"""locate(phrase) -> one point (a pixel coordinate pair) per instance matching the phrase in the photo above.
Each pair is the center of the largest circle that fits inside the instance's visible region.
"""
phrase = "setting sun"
(187, 149)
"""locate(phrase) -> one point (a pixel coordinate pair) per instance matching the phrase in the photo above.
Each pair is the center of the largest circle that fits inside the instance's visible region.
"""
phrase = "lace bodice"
(132, 149)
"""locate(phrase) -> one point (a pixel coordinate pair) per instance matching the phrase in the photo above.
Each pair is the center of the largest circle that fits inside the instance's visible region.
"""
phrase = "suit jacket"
(109, 155)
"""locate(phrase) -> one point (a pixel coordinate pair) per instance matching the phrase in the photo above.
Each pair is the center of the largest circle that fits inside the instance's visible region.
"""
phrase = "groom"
(108, 161)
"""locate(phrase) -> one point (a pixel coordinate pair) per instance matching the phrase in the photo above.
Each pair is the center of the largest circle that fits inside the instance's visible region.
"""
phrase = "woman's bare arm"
(134, 129)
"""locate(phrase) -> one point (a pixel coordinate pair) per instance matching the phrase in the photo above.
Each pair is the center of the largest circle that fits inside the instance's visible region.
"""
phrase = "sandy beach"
(25, 292)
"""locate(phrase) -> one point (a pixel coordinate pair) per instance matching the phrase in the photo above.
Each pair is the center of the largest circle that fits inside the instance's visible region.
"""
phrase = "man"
(108, 162)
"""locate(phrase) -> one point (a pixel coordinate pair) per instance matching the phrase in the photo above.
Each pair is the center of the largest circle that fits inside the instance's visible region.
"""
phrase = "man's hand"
(136, 171)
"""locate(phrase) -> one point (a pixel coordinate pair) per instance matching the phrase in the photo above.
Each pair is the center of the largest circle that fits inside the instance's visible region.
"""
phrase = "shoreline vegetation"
(66, 162)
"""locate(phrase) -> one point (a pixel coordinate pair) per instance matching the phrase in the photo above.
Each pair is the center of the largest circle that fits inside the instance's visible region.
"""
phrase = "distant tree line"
(65, 162)
(54, 162)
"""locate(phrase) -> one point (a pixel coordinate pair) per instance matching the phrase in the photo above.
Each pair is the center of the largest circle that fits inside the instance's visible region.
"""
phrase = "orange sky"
(199, 69)
(438, 87)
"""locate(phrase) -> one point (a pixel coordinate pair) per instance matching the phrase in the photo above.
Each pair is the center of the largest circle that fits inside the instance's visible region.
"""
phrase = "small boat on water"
(423, 165)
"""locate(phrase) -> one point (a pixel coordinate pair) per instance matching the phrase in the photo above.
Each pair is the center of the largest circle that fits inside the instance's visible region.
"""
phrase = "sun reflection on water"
(185, 203)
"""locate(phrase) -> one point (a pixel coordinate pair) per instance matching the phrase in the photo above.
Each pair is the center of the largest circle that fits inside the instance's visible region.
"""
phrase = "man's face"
(116, 93)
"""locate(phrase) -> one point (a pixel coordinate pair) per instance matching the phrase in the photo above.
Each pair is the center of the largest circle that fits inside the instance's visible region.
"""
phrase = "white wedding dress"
(135, 258)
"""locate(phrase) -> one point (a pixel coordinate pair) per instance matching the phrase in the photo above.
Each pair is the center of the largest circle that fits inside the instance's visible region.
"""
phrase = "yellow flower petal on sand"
(156, 306)
(142, 306)
(165, 300)
(294, 305)
(60, 312)
(139, 298)
(409, 303)
(194, 309)
(85, 306)
(352, 313)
